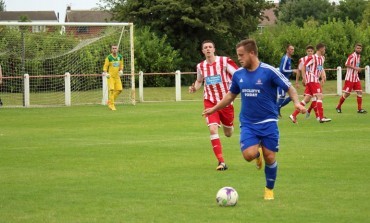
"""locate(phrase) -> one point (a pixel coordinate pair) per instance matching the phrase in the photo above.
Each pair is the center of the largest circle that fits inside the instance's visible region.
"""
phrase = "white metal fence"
(70, 96)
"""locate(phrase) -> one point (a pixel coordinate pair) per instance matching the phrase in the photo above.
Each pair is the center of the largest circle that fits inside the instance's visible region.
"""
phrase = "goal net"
(56, 64)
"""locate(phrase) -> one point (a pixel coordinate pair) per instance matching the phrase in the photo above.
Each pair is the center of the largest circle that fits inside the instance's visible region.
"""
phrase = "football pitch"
(153, 162)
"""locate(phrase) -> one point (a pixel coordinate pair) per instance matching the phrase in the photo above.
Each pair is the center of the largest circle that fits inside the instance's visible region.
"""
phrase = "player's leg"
(111, 94)
(270, 146)
(358, 89)
(213, 122)
(250, 146)
(342, 98)
(347, 88)
(306, 99)
(320, 110)
(117, 88)
(217, 146)
(296, 112)
(313, 106)
(227, 120)
(319, 103)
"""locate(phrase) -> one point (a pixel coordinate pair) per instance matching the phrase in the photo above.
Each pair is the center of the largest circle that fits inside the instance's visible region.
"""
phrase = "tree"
(299, 11)
(187, 23)
(2, 6)
(352, 9)
(338, 36)
(153, 53)
(365, 23)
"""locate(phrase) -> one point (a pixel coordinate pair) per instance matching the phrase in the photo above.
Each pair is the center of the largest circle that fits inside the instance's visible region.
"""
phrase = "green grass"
(153, 163)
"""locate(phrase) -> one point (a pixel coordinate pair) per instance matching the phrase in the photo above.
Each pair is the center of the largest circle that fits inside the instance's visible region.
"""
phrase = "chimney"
(69, 7)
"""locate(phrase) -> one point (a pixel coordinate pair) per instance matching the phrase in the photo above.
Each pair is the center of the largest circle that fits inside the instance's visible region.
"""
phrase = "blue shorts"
(265, 133)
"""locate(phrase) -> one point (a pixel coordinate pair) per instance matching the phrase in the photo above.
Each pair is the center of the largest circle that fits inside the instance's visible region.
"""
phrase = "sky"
(50, 5)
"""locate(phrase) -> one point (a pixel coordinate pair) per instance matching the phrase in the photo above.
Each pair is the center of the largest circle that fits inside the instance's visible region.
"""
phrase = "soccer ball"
(227, 196)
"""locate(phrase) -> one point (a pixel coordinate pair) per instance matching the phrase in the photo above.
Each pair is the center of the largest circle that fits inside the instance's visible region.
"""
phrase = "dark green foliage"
(366, 16)
(339, 38)
(154, 54)
(186, 23)
(298, 11)
(351, 9)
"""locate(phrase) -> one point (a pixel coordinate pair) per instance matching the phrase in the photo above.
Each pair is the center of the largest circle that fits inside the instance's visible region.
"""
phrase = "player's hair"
(310, 47)
(358, 44)
(208, 41)
(249, 45)
(288, 45)
(320, 46)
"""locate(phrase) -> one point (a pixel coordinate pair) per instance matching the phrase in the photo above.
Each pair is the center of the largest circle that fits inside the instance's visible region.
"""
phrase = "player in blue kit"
(286, 69)
(257, 82)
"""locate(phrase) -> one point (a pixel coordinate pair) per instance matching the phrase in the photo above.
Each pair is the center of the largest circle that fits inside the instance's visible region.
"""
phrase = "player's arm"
(297, 79)
(294, 96)
(306, 63)
(283, 66)
(349, 64)
(304, 81)
(229, 97)
(231, 66)
(121, 66)
(197, 84)
(106, 65)
(323, 76)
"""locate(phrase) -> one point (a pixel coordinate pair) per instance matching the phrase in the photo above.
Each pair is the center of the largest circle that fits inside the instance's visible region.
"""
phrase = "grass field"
(153, 163)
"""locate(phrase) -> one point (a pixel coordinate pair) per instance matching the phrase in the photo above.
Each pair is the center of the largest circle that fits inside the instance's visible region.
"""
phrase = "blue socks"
(270, 173)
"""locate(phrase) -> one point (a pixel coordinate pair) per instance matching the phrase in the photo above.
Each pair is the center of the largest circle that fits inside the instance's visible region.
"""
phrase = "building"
(86, 16)
(31, 16)
(270, 18)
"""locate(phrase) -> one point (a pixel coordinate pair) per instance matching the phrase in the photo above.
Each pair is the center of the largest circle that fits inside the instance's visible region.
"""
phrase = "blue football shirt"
(258, 91)
(286, 66)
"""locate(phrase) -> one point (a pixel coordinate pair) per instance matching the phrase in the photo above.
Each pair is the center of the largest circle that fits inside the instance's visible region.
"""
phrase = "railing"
(61, 92)
(178, 74)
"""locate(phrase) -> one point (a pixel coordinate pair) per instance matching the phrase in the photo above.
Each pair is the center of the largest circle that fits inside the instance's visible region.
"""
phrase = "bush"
(339, 38)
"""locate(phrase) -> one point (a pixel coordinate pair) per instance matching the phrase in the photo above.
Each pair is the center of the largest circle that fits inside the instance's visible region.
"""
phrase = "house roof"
(271, 20)
(31, 15)
(88, 16)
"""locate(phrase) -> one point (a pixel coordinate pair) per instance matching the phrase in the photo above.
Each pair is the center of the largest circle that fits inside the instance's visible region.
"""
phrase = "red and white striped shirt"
(217, 77)
(314, 65)
(301, 63)
(352, 74)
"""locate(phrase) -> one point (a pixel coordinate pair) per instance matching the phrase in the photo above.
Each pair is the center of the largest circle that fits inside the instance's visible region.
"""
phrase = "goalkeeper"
(113, 68)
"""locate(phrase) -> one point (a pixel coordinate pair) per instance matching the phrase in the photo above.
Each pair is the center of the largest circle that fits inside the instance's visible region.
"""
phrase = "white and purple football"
(227, 196)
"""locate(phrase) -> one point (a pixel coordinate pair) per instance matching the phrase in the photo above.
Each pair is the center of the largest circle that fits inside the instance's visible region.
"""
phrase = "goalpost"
(57, 64)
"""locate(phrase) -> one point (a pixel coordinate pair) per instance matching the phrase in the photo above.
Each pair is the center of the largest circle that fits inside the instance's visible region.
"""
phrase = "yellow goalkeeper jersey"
(113, 65)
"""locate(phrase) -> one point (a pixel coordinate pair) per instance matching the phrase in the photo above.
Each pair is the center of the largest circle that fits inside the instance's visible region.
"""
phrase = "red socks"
(341, 100)
(359, 102)
(217, 147)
